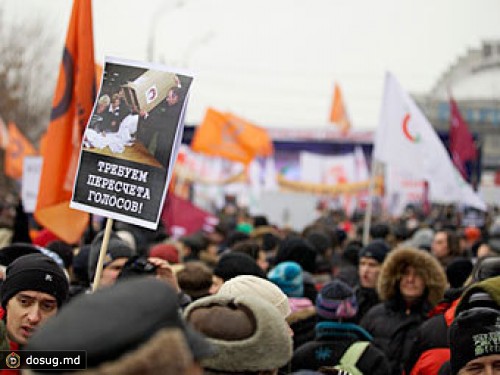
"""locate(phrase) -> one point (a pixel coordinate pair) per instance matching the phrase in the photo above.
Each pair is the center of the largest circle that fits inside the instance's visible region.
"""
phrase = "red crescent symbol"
(406, 132)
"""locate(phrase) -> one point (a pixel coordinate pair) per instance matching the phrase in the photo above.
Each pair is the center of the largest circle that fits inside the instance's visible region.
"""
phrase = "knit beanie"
(336, 300)
(165, 251)
(297, 249)
(35, 272)
(377, 249)
(255, 286)
(117, 248)
(473, 334)
(288, 276)
(458, 271)
(250, 335)
(235, 264)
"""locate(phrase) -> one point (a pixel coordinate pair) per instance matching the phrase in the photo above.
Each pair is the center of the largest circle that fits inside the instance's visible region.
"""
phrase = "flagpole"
(102, 253)
(369, 207)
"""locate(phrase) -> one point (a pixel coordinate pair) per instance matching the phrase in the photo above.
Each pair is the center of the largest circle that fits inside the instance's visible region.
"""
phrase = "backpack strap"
(353, 353)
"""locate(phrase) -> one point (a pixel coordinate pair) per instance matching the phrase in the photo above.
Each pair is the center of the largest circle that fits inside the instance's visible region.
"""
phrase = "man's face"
(488, 365)
(172, 97)
(111, 272)
(368, 271)
(439, 247)
(26, 311)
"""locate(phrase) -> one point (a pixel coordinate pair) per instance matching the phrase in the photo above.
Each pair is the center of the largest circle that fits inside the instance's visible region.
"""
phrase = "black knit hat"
(458, 271)
(474, 334)
(235, 264)
(35, 272)
(117, 248)
(377, 249)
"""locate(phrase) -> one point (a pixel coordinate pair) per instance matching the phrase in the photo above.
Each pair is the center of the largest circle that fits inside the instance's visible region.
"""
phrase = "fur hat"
(235, 264)
(35, 272)
(377, 249)
(116, 320)
(256, 286)
(425, 264)
(336, 300)
(473, 334)
(117, 248)
(289, 277)
(248, 333)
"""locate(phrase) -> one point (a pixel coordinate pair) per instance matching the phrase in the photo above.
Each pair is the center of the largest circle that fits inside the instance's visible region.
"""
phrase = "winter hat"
(117, 314)
(458, 271)
(256, 286)
(422, 239)
(379, 231)
(235, 264)
(248, 333)
(336, 300)
(35, 272)
(289, 277)
(486, 267)
(117, 248)
(473, 334)
(165, 251)
(297, 249)
(485, 293)
(377, 249)
(10, 253)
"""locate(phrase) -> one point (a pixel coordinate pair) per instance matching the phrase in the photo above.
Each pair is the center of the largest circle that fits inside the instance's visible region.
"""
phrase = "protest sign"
(32, 168)
(131, 142)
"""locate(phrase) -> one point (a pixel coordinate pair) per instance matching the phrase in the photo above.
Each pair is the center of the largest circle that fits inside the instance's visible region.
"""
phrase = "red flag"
(462, 147)
(71, 108)
(181, 217)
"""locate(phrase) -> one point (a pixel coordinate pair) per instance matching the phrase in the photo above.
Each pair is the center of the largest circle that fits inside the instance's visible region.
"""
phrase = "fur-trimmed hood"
(424, 263)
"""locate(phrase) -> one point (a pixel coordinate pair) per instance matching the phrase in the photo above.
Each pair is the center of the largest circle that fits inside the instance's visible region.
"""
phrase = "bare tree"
(27, 75)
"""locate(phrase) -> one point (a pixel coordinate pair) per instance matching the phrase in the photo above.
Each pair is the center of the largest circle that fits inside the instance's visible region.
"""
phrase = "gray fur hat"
(248, 332)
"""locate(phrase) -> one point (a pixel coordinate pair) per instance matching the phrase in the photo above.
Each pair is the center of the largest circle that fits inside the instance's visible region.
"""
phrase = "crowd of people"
(421, 297)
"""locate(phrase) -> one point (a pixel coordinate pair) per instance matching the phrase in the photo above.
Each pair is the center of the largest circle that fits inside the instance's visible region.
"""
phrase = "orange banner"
(17, 148)
(71, 108)
(230, 137)
(338, 114)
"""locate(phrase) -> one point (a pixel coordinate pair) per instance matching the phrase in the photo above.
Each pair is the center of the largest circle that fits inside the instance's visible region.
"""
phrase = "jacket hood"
(424, 263)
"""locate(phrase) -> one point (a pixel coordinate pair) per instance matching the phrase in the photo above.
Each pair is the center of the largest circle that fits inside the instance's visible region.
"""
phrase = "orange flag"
(252, 137)
(17, 148)
(71, 108)
(339, 114)
(230, 137)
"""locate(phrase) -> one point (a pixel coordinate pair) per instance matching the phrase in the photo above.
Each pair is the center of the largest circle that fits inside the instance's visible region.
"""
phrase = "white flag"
(406, 140)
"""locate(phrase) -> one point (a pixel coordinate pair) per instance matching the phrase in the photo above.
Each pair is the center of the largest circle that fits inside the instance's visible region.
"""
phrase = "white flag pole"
(369, 207)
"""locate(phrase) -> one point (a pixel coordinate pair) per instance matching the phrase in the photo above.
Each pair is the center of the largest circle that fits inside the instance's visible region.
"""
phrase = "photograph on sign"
(131, 142)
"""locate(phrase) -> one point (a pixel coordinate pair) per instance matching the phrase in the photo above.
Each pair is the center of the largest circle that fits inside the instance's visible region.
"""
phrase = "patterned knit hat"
(289, 277)
(336, 300)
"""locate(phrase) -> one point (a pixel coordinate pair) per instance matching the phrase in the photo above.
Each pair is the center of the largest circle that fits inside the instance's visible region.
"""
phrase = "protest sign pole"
(102, 253)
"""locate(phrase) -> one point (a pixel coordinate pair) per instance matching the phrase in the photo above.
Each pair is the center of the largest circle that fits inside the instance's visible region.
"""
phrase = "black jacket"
(394, 328)
(331, 342)
(367, 298)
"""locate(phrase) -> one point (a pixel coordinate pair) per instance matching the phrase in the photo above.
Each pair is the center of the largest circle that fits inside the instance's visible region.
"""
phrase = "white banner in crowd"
(32, 168)
(406, 140)
(330, 170)
(402, 189)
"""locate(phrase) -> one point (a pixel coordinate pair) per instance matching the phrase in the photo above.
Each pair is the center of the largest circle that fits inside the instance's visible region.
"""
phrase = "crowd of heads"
(253, 298)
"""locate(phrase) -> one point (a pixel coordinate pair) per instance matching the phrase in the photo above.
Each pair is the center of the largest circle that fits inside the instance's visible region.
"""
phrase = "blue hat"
(288, 276)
